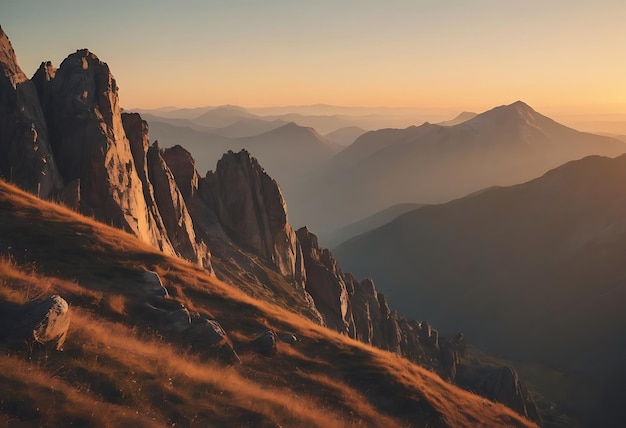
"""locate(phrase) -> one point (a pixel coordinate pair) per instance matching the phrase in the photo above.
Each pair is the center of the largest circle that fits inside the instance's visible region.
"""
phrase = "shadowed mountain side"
(122, 367)
(367, 224)
(24, 141)
(206, 147)
(289, 153)
(548, 251)
(433, 164)
(533, 272)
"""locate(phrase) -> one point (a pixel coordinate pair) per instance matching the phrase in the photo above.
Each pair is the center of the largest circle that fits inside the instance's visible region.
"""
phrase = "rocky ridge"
(238, 210)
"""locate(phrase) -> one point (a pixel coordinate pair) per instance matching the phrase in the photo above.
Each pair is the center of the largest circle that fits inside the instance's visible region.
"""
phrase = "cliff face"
(26, 154)
(136, 131)
(173, 210)
(324, 282)
(183, 167)
(251, 208)
(89, 143)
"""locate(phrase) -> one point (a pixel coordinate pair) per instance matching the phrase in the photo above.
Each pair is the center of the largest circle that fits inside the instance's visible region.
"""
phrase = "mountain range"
(207, 307)
(432, 163)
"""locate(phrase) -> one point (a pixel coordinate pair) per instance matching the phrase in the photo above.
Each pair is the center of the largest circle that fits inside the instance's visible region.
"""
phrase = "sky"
(562, 56)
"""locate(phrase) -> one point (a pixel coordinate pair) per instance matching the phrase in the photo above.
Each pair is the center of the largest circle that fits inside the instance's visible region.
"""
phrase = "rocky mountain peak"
(183, 166)
(90, 145)
(325, 283)
(26, 154)
(250, 206)
(518, 113)
(8, 62)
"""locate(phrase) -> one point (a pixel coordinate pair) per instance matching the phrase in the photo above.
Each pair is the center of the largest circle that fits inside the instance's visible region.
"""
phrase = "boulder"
(288, 338)
(152, 285)
(265, 343)
(44, 322)
(208, 337)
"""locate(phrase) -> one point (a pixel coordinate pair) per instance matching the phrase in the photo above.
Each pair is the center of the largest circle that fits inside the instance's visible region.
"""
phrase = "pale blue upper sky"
(456, 54)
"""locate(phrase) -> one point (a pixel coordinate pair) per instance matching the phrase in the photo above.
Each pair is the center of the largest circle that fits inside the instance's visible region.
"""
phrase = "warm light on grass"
(114, 371)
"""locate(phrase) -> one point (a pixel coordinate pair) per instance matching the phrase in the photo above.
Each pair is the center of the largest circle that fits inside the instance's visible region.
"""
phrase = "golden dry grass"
(114, 372)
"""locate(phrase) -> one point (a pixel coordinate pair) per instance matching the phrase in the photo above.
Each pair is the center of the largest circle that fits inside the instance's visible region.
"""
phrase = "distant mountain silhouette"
(223, 116)
(248, 127)
(289, 153)
(462, 117)
(433, 164)
(369, 223)
(345, 136)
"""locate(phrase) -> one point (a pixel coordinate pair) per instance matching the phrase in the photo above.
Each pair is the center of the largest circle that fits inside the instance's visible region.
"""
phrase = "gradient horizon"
(561, 57)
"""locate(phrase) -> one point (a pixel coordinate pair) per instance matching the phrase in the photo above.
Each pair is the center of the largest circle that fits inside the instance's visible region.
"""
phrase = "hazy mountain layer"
(433, 164)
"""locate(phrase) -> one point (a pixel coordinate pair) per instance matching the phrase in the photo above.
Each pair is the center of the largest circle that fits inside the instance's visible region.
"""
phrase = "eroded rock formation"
(183, 167)
(173, 209)
(251, 208)
(89, 143)
(324, 282)
(26, 158)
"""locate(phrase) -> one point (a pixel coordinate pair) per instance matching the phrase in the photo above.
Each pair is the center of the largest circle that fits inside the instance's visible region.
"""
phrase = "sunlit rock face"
(89, 143)
(26, 154)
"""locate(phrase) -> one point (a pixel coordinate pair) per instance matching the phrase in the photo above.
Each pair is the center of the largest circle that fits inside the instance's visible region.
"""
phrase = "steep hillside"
(367, 224)
(544, 257)
(122, 366)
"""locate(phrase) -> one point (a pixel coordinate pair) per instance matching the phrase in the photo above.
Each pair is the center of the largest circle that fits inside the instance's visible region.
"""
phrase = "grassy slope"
(114, 372)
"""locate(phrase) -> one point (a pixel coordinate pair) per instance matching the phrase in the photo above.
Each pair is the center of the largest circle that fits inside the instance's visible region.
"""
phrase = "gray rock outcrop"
(43, 322)
(199, 333)
(136, 130)
(265, 343)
